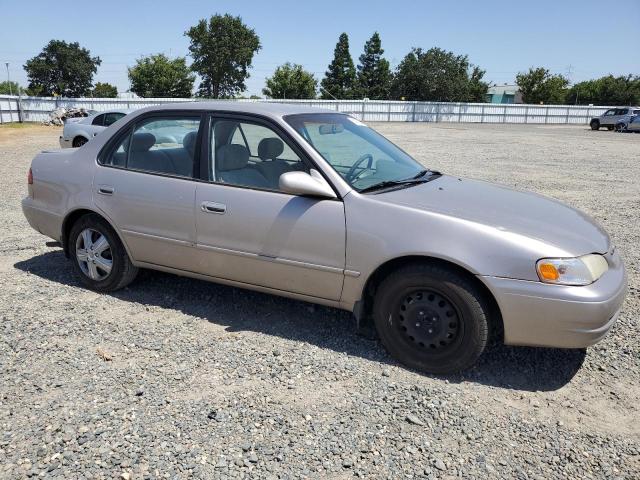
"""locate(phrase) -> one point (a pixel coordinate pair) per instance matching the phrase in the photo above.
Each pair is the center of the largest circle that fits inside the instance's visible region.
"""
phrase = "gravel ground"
(178, 378)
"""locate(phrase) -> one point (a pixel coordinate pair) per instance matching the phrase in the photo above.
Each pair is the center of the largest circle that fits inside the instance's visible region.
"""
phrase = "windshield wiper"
(422, 173)
(415, 180)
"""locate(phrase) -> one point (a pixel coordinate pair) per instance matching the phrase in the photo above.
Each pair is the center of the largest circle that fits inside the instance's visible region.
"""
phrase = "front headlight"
(572, 271)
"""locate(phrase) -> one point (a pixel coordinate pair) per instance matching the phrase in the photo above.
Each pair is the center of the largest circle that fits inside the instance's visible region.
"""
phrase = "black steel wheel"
(428, 319)
(432, 318)
(595, 124)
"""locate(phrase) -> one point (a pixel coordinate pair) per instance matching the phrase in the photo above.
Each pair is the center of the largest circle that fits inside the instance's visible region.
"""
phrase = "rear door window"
(98, 121)
(112, 117)
(164, 145)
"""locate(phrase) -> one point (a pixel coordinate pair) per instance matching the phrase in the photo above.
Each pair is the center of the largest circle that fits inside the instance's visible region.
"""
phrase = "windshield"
(358, 153)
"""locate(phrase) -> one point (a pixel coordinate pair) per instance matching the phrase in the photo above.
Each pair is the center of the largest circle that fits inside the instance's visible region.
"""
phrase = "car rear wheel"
(79, 141)
(595, 125)
(620, 127)
(99, 258)
(432, 318)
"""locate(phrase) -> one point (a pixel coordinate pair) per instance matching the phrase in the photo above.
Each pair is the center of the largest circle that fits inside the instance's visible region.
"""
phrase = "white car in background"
(79, 130)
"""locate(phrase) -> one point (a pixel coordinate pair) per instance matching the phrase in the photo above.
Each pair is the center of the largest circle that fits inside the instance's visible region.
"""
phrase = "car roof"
(270, 109)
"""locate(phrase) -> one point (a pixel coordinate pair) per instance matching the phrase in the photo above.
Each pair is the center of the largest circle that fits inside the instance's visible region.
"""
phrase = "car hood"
(504, 209)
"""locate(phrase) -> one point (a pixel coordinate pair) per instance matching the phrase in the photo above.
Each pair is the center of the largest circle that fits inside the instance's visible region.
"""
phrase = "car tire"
(620, 127)
(100, 268)
(79, 141)
(595, 125)
(432, 318)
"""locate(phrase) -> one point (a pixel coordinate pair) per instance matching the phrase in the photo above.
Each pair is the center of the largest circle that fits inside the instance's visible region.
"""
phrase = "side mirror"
(301, 183)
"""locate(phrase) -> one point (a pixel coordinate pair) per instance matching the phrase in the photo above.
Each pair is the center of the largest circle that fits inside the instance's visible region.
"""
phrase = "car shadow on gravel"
(518, 368)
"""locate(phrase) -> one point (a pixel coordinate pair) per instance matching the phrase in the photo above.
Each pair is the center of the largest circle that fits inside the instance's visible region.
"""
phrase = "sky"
(581, 39)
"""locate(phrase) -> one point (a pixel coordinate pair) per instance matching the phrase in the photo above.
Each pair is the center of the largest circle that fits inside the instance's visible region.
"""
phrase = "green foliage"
(291, 81)
(157, 76)
(340, 79)
(438, 75)
(63, 69)
(104, 90)
(222, 50)
(609, 90)
(538, 85)
(9, 88)
(374, 75)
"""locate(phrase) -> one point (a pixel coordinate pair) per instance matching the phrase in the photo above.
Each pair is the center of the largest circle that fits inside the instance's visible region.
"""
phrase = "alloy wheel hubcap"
(428, 320)
(93, 253)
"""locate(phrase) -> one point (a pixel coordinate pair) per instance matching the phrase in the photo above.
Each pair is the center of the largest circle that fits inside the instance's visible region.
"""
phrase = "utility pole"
(8, 78)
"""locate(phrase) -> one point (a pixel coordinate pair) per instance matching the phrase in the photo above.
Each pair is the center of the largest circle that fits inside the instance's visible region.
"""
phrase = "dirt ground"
(178, 378)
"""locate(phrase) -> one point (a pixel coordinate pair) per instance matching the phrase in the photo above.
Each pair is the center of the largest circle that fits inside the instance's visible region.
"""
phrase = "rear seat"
(172, 161)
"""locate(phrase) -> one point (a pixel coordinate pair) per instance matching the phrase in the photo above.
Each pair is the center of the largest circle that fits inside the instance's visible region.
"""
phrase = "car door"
(608, 118)
(145, 184)
(251, 232)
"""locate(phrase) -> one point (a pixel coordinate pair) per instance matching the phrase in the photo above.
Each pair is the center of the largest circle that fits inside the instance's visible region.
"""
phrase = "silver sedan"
(314, 205)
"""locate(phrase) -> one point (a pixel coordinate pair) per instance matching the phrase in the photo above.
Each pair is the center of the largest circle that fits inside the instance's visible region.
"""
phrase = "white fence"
(36, 109)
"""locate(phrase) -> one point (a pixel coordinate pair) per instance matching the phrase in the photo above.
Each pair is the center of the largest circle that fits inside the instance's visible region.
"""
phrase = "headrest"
(270, 148)
(189, 142)
(232, 157)
(142, 142)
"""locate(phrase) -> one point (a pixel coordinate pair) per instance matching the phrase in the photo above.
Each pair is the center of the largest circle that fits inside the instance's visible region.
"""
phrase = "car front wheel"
(432, 318)
(99, 258)
(595, 125)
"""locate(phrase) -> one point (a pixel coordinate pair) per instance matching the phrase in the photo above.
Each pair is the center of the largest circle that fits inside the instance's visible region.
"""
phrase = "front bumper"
(544, 315)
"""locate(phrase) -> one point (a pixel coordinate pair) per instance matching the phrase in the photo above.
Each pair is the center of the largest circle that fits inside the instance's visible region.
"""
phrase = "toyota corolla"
(314, 205)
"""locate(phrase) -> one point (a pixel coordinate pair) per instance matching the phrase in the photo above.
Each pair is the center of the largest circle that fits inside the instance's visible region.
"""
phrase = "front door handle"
(213, 207)
(105, 190)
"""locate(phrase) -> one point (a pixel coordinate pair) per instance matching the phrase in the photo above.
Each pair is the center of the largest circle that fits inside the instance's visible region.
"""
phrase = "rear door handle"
(213, 207)
(105, 190)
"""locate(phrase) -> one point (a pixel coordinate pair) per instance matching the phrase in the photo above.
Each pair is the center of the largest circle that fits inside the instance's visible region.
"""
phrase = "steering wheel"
(351, 174)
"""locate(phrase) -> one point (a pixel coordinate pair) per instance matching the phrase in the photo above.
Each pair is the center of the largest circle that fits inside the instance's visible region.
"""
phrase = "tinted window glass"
(112, 117)
(98, 120)
(622, 111)
(250, 155)
(159, 145)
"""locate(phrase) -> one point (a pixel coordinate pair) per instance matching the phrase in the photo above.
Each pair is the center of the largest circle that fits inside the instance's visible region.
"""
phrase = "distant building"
(504, 94)
(128, 95)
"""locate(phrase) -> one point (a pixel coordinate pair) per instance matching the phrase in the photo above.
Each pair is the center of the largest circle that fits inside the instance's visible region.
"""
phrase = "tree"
(340, 79)
(438, 75)
(9, 88)
(222, 50)
(104, 90)
(608, 90)
(374, 75)
(291, 81)
(538, 85)
(63, 69)
(158, 76)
